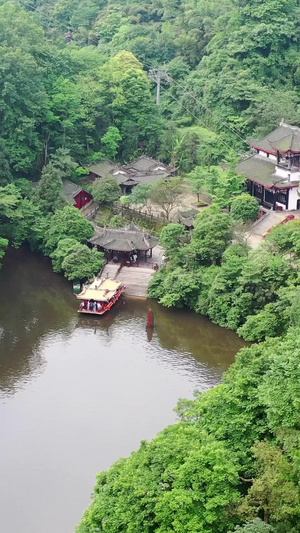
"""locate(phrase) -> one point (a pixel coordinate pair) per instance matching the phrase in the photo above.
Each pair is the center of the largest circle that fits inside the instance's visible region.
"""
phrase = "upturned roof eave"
(255, 145)
(273, 185)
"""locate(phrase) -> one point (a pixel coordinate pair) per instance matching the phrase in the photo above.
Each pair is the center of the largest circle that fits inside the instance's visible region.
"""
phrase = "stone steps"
(110, 271)
(136, 280)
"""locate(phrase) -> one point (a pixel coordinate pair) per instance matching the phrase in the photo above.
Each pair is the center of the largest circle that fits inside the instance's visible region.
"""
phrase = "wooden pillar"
(287, 198)
(274, 200)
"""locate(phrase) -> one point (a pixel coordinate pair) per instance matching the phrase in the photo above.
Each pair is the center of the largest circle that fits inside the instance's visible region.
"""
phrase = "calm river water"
(76, 394)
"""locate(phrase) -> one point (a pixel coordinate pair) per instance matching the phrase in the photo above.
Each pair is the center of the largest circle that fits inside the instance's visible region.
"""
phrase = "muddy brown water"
(78, 393)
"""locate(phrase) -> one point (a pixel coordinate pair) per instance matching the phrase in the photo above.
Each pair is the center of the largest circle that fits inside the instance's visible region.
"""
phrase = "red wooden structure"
(82, 198)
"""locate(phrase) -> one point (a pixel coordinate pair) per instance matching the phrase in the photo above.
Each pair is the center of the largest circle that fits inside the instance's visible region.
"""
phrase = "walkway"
(264, 224)
(136, 280)
(110, 270)
(90, 210)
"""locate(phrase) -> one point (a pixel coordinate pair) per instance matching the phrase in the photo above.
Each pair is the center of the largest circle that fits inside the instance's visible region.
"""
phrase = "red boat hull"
(106, 307)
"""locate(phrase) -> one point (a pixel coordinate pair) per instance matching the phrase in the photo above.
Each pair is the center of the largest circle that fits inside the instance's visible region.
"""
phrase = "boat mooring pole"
(150, 321)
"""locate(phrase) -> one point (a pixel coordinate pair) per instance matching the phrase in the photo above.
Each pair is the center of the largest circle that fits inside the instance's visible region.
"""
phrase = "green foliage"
(48, 192)
(168, 485)
(244, 207)
(116, 222)
(64, 248)
(9, 201)
(172, 237)
(280, 390)
(285, 238)
(274, 485)
(211, 236)
(62, 161)
(3, 246)
(110, 143)
(255, 526)
(82, 262)
(140, 196)
(106, 190)
(126, 94)
(67, 222)
(24, 187)
(26, 223)
(165, 194)
(234, 457)
(5, 173)
(178, 288)
(190, 146)
(231, 459)
(267, 323)
(221, 185)
(225, 284)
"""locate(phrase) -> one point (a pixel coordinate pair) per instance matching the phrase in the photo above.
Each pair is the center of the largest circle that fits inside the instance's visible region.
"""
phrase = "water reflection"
(78, 392)
(37, 303)
(34, 302)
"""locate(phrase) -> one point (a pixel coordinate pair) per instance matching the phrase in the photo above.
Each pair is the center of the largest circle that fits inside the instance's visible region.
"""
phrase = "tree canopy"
(76, 87)
(106, 190)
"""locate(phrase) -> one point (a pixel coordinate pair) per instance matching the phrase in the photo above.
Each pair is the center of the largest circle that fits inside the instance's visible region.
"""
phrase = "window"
(269, 197)
(282, 197)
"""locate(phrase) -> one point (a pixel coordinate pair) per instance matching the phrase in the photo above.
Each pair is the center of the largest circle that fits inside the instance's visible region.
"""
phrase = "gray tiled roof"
(142, 170)
(283, 139)
(123, 240)
(102, 169)
(262, 170)
(145, 164)
(146, 178)
(70, 190)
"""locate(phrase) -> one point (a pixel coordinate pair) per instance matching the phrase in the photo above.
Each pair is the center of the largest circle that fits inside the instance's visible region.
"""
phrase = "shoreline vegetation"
(75, 89)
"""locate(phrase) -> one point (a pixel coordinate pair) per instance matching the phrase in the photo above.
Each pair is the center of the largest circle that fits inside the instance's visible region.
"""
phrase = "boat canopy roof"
(100, 290)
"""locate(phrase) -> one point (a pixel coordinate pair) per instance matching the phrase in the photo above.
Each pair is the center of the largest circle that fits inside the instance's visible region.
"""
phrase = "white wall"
(271, 156)
(293, 198)
(287, 174)
(281, 205)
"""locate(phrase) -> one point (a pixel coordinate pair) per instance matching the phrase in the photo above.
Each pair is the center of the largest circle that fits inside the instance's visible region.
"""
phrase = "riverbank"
(78, 394)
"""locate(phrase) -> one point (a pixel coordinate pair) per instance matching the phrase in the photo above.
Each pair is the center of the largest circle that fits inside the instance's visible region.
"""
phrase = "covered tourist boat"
(99, 297)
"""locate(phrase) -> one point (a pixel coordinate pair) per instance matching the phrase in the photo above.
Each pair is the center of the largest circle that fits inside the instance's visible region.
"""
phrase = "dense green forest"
(75, 88)
(234, 65)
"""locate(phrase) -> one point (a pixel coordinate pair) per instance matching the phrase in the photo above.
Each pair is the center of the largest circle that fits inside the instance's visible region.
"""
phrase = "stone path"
(90, 210)
(260, 228)
(136, 280)
(110, 270)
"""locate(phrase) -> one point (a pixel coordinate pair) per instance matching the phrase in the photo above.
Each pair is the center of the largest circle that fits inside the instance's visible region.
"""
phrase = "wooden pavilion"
(127, 244)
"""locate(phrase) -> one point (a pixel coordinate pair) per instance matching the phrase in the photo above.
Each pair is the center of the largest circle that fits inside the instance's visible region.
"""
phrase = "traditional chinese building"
(75, 195)
(142, 170)
(273, 171)
(122, 243)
